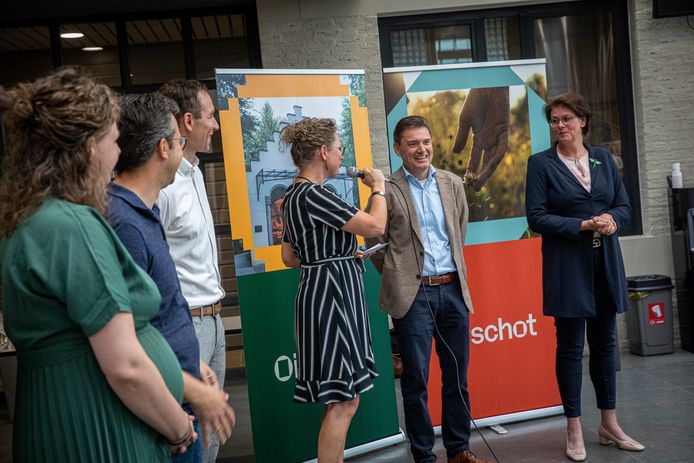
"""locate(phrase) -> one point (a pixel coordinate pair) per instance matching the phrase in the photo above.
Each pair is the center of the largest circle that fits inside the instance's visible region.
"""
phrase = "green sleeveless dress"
(65, 274)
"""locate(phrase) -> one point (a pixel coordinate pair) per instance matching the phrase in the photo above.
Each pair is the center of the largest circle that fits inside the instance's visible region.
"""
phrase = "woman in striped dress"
(331, 326)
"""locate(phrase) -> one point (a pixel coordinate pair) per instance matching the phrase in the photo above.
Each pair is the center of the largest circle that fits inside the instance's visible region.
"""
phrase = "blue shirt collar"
(132, 199)
(408, 175)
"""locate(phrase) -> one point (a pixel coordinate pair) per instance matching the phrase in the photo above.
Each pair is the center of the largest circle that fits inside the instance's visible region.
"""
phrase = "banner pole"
(371, 446)
(513, 417)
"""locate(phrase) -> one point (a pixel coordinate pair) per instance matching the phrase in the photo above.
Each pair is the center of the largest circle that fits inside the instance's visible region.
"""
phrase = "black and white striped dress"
(332, 336)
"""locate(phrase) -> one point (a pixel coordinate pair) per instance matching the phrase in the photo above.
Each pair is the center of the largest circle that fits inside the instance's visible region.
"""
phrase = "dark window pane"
(580, 58)
(219, 42)
(503, 38)
(156, 50)
(96, 50)
(25, 53)
(437, 45)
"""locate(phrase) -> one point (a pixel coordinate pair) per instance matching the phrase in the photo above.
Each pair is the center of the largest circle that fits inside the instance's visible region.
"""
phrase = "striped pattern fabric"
(335, 361)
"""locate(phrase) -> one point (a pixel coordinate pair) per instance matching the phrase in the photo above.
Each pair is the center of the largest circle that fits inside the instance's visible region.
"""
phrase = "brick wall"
(662, 52)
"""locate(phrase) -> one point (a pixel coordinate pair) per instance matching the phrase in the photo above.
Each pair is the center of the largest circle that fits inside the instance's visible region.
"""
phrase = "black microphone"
(354, 172)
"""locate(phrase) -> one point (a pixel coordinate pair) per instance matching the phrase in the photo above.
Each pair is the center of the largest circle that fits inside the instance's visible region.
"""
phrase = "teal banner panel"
(485, 119)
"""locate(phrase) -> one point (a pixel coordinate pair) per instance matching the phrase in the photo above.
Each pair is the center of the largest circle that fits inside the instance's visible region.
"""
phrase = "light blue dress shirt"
(438, 258)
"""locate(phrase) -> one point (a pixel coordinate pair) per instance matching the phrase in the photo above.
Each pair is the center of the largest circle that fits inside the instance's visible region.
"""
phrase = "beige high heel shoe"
(575, 455)
(606, 438)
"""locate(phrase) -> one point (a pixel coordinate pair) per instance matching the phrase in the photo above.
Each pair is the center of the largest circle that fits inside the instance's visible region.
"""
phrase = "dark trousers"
(601, 334)
(415, 332)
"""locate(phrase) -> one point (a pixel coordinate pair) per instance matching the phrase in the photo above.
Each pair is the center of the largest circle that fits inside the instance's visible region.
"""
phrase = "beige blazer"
(400, 272)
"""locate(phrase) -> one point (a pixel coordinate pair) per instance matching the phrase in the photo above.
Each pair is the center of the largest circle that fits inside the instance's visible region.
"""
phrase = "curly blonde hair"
(307, 136)
(49, 125)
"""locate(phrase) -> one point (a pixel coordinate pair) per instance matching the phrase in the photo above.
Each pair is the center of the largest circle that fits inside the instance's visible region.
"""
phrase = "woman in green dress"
(95, 381)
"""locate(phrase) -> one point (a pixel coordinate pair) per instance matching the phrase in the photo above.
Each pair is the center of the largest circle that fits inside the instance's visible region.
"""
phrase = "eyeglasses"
(341, 149)
(183, 141)
(568, 119)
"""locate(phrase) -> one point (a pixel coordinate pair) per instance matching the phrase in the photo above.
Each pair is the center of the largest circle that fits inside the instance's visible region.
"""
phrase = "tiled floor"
(655, 405)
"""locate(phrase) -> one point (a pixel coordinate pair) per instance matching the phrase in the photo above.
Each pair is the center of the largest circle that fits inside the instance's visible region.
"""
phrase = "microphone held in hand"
(354, 172)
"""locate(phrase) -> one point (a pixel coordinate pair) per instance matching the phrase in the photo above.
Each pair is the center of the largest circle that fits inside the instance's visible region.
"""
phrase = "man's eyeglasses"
(568, 119)
(183, 141)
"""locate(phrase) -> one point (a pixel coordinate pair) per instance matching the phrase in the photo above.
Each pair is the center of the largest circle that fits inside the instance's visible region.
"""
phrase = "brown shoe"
(467, 457)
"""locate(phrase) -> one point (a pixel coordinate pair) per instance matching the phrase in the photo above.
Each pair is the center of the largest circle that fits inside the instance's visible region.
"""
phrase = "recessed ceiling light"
(72, 35)
(92, 48)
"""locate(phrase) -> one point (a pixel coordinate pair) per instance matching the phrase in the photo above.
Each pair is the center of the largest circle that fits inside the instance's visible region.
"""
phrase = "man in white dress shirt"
(187, 221)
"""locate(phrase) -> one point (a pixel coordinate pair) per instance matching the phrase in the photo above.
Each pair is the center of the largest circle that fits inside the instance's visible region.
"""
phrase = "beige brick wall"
(662, 52)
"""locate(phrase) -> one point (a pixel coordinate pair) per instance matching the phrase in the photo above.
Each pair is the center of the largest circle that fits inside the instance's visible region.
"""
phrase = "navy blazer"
(555, 204)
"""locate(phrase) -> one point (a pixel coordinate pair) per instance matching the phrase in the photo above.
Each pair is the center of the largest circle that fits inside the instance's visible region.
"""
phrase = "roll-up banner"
(254, 106)
(486, 120)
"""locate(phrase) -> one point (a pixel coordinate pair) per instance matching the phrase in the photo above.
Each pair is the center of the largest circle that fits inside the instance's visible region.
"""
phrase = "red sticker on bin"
(656, 313)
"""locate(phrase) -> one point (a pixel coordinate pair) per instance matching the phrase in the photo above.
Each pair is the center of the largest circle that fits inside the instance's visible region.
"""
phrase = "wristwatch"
(380, 193)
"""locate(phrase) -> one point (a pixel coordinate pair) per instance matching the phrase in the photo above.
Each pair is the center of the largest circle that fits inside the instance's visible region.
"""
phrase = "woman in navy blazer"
(576, 200)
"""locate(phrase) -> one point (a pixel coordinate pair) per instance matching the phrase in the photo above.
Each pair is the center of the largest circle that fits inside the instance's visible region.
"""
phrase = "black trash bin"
(649, 319)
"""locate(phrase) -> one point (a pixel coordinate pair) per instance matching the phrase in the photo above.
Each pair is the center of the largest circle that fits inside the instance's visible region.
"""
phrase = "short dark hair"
(575, 102)
(185, 94)
(409, 122)
(144, 120)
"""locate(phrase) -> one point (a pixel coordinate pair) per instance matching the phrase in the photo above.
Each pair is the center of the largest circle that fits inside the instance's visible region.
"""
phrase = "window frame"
(527, 14)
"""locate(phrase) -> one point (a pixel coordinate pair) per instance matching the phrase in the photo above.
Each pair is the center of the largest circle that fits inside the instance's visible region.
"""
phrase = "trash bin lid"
(648, 282)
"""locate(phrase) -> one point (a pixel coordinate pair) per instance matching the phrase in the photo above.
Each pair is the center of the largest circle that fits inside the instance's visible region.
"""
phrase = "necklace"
(582, 153)
(304, 178)
(579, 166)
(577, 162)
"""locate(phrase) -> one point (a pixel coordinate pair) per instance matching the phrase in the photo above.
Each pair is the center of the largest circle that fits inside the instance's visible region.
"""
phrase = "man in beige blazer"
(424, 288)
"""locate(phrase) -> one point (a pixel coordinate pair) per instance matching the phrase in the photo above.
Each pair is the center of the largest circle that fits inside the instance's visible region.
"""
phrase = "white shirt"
(187, 221)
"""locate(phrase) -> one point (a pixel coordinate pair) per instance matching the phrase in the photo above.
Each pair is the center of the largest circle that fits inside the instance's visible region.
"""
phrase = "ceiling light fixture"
(92, 48)
(72, 35)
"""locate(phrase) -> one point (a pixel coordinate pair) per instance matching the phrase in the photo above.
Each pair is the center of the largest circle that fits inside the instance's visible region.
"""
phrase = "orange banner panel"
(512, 345)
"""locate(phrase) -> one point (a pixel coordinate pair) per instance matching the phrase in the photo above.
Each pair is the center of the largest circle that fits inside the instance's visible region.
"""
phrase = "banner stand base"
(497, 428)
(371, 446)
(513, 417)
